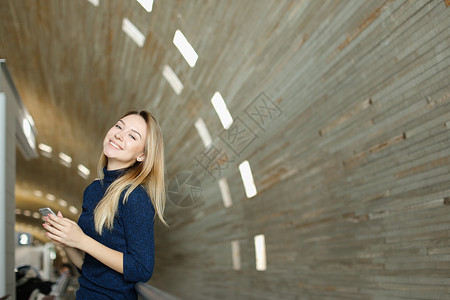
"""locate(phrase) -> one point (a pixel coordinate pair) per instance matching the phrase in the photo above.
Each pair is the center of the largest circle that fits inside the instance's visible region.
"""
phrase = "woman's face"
(124, 143)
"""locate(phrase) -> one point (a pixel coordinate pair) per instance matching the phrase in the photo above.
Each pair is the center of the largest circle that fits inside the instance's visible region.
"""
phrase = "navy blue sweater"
(132, 235)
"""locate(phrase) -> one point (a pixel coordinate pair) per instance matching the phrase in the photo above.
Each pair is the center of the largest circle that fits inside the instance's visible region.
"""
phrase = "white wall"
(7, 182)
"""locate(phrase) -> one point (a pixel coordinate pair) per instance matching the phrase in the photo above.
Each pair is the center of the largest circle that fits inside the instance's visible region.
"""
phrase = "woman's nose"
(118, 135)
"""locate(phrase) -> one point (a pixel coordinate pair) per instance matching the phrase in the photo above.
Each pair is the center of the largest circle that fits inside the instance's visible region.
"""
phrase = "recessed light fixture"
(36, 215)
(27, 213)
(62, 202)
(247, 179)
(236, 255)
(132, 31)
(83, 171)
(222, 110)
(73, 210)
(18, 211)
(46, 150)
(95, 2)
(203, 132)
(146, 4)
(185, 48)
(260, 252)
(173, 79)
(38, 193)
(225, 191)
(65, 159)
(50, 197)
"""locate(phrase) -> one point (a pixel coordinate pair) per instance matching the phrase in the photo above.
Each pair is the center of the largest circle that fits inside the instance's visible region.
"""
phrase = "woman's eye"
(118, 126)
(133, 137)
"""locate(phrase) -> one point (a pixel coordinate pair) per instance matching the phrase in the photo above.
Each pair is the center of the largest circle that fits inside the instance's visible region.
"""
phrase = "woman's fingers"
(52, 229)
(54, 237)
(54, 223)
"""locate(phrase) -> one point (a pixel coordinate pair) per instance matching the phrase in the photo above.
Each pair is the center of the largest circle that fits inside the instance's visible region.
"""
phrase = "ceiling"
(77, 72)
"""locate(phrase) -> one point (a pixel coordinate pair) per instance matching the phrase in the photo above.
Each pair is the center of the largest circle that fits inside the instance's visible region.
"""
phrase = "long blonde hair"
(149, 173)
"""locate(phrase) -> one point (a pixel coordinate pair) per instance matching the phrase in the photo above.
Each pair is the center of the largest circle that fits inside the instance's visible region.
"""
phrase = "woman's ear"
(140, 157)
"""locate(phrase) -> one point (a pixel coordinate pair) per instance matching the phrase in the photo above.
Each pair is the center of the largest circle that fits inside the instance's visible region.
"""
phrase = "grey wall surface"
(352, 172)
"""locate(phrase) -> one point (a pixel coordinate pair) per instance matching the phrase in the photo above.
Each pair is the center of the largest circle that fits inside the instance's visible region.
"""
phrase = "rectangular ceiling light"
(62, 202)
(134, 33)
(46, 150)
(247, 179)
(173, 79)
(65, 159)
(260, 252)
(225, 191)
(83, 171)
(189, 54)
(50, 197)
(203, 132)
(73, 210)
(146, 4)
(95, 2)
(236, 255)
(222, 110)
(38, 193)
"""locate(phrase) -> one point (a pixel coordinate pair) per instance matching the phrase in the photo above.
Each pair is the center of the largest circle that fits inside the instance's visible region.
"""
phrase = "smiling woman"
(112, 245)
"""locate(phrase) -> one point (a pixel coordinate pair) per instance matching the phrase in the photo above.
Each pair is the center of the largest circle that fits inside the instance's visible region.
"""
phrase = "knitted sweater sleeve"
(137, 217)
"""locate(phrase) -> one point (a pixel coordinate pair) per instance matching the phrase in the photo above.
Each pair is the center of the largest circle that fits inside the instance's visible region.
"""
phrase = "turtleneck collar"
(110, 176)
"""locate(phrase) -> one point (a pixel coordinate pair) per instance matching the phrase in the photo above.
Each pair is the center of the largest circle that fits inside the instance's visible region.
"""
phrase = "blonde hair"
(149, 173)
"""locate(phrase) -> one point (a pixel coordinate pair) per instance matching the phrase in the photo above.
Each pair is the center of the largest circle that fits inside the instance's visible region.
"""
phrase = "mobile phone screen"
(46, 211)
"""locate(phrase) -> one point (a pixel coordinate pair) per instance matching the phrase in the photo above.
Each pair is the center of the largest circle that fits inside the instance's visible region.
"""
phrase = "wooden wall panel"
(352, 178)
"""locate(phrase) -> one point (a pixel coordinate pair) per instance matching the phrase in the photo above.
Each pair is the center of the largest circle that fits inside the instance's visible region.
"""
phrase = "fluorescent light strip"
(222, 110)
(189, 54)
(236, 255)
(133, 32)
(146, 4)
(65, 159)
(45, 148)
(260, 252)
(225, 190)
(73, 210)
(203, 132)
(173, 79)
(95, 2)
(83, 171)
(38, 193)
(247, 179)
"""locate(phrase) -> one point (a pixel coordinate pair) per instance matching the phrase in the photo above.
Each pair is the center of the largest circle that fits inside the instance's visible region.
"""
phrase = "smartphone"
(46, 211)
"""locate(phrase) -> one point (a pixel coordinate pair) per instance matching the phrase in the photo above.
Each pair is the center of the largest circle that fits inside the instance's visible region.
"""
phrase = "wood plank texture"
(351, 168)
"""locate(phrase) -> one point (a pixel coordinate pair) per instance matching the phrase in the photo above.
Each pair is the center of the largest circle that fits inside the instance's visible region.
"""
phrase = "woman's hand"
(64, 231)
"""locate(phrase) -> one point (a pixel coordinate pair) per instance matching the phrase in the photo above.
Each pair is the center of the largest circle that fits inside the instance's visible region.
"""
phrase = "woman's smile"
(115, 145)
